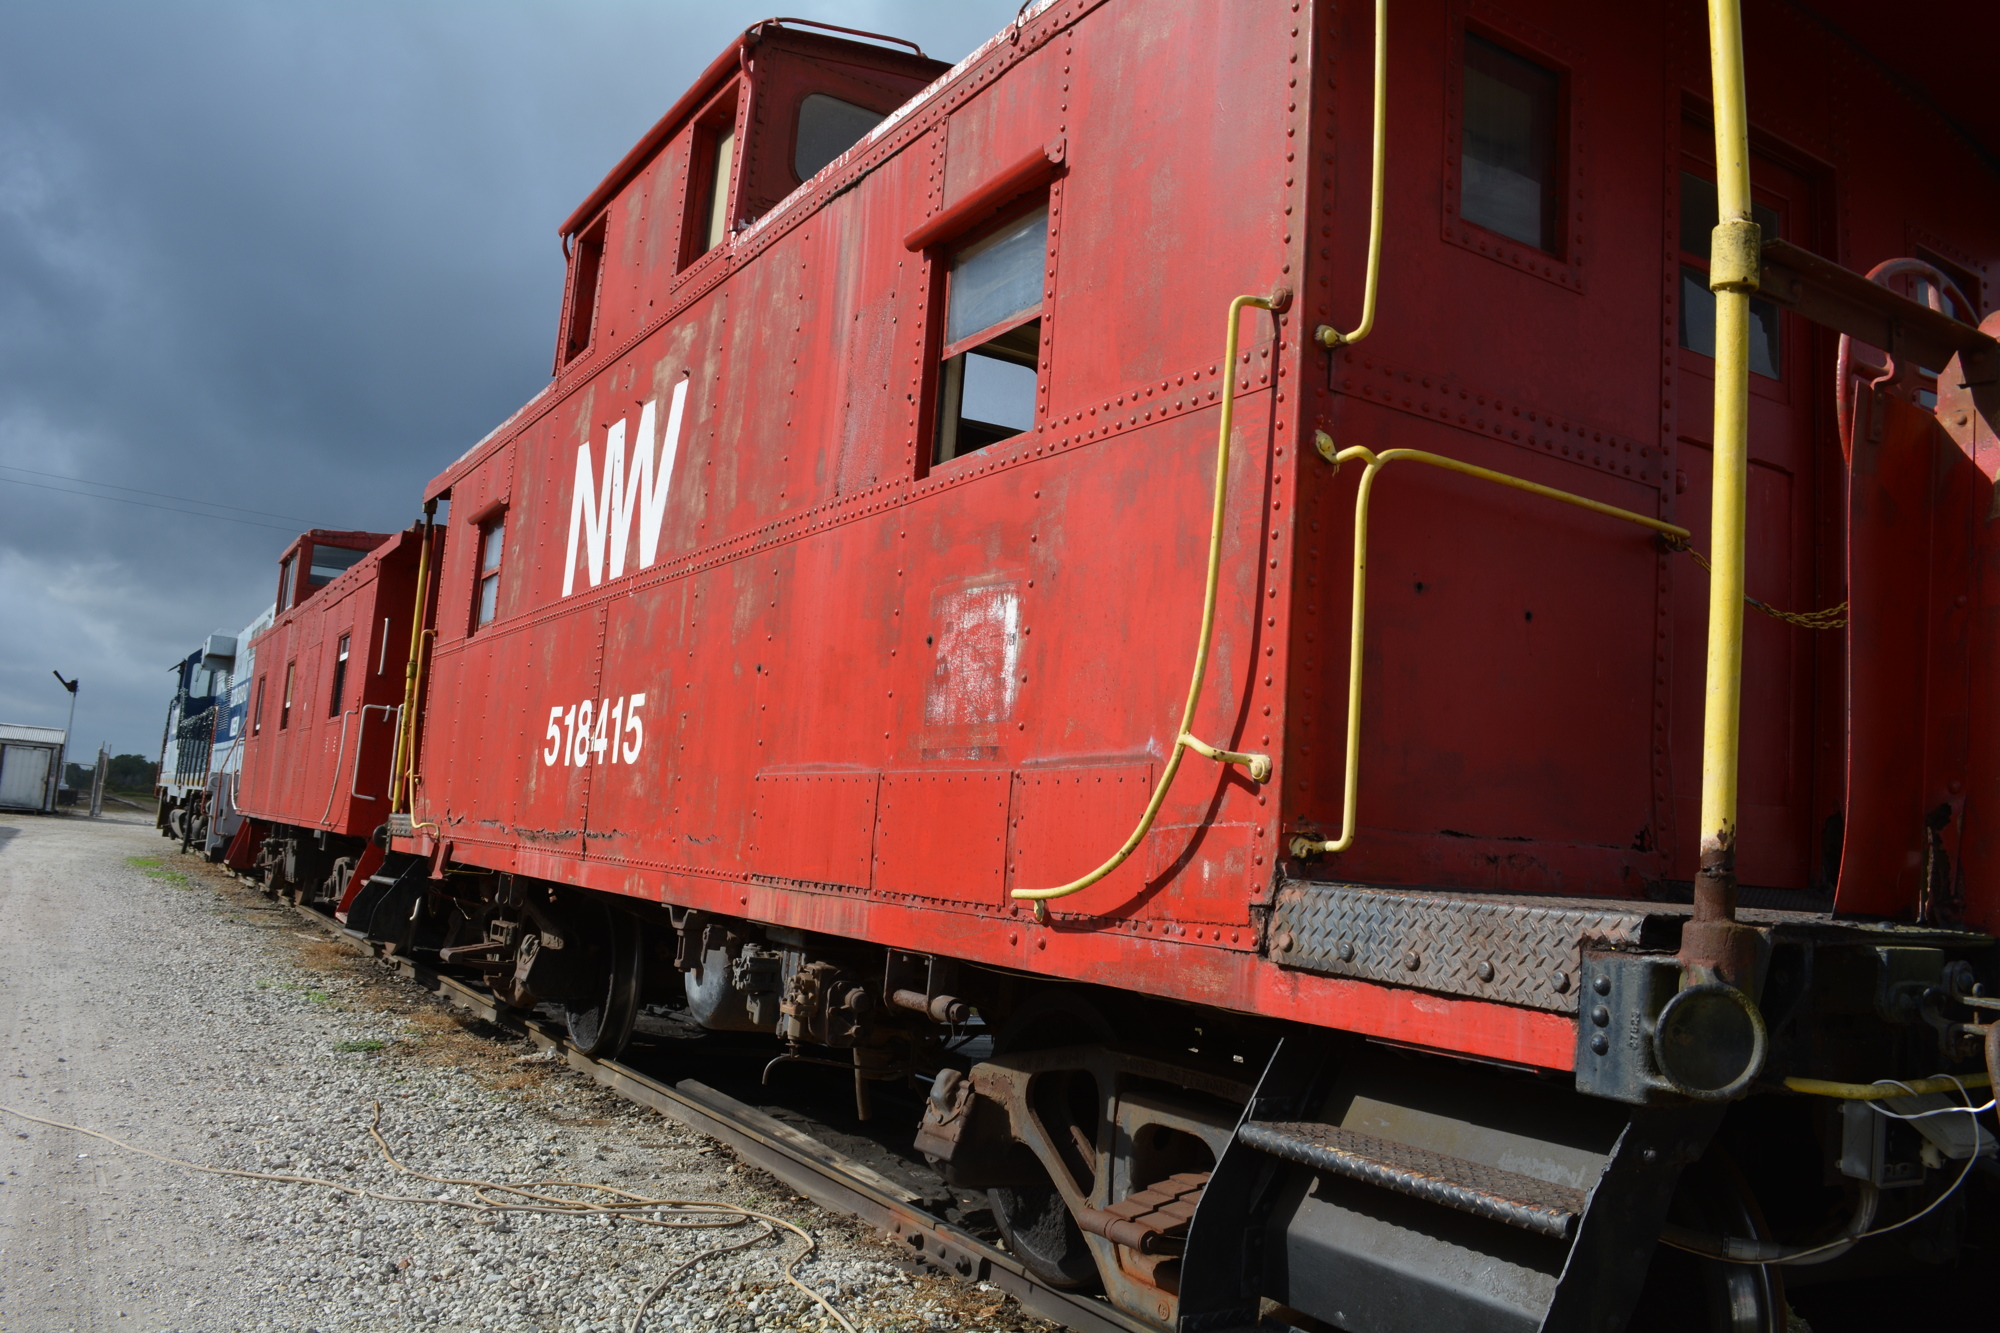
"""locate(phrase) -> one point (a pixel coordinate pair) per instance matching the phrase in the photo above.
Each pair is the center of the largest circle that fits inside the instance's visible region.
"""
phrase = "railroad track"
(830, 1178)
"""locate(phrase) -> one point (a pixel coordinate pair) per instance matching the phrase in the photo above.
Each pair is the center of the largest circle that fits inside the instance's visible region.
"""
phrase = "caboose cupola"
(766, 116)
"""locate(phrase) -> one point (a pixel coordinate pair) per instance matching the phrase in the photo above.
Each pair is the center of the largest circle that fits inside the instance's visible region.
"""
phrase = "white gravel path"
(171, 1007)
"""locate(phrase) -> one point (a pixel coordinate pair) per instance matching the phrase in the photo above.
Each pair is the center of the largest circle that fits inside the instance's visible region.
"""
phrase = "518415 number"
(595, 732)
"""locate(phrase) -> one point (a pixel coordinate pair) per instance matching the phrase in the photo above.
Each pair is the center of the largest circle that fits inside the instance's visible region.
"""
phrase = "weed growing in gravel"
(363, 1044)
(142, 860)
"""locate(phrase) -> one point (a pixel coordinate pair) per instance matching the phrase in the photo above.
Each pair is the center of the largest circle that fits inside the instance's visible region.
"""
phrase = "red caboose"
(814, 651)
(326, 710)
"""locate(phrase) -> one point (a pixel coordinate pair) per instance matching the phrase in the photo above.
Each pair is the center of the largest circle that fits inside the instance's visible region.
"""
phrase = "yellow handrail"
(1300, 844)
(1259, 766)
(403, 779)
(1712, 942)
(1884, 1090)
(1326, 335)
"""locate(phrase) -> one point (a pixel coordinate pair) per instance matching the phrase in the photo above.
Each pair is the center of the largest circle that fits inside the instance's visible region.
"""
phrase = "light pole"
(62, 756)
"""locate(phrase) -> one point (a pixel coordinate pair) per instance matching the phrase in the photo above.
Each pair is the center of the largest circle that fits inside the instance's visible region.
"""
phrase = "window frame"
(285, 710)
(482, 526)
(937, 352)
(338, 684)
(586, 270)
(1565, 266)
(288, 577)
(721, 114)
(257, 706)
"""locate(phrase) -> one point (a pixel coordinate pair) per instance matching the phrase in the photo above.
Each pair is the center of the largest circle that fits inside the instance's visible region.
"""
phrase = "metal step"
(1485, 1191)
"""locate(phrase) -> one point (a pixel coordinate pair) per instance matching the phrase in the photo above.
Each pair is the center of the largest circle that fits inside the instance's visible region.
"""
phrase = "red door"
(1776, 785)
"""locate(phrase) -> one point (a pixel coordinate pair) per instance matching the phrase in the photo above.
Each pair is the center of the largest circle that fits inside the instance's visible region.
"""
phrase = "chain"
(1833, 617)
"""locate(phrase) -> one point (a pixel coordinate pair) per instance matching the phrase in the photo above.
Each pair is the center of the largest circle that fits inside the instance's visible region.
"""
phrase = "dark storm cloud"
(289, 257)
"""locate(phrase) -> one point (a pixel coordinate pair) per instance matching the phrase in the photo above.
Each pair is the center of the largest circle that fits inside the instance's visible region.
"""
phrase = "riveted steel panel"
(1067, 819)
(943, 834)
(1515, 950)
(816, 827)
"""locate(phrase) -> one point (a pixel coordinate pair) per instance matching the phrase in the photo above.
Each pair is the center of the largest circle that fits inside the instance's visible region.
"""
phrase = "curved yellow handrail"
(1258, 765)
(1326, 335)
(1300, 844)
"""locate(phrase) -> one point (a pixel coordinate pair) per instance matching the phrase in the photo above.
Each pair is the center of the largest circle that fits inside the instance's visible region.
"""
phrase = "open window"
(339, 676)
(827, 127)
(285, 709)
(586, 265)
(989, 369)
(492, 547)
(1511, 148)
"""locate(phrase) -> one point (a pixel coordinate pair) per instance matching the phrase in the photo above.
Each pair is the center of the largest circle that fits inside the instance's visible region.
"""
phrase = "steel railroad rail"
(828, 1177)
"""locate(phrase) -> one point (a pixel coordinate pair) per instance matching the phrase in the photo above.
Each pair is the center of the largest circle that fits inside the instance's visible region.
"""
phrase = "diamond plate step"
(1515, 950)
(1500, 1196)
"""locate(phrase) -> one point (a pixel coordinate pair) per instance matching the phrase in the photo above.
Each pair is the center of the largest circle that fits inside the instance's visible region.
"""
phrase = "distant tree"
(77, 776)
(131, 772)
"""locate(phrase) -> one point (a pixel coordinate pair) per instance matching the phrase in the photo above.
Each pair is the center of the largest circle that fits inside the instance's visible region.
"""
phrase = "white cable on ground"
(632, 1207)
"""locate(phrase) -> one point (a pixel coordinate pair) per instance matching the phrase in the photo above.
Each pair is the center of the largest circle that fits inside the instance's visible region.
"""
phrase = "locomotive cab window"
(827, 128)
(1699, 211)
(492, 545)
(1510, 158)
(990, 367)
(339, 677)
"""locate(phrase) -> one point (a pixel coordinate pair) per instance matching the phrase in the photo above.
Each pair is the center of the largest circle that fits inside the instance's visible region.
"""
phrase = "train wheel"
(1686, 1293)
(600, 1025)
(1033, 1218)
(1039, 1229)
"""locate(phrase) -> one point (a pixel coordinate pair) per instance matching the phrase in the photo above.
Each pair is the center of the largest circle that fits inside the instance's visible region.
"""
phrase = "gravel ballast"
(153, 998)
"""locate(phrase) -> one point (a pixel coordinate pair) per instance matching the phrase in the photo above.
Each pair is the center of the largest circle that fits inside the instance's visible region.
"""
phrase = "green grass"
(368, 1044)
(142, 860)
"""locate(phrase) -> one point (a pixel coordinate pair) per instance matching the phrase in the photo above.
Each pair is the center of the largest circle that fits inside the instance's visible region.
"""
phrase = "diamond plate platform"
(1516, 950)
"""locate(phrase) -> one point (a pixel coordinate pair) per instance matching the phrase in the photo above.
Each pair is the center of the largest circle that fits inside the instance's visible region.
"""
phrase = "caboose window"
(285, 708)
(721, 160)
(1699, 212)
(828, 127)
(285, 585)
(492, 543)
(257, 709)
(585, 266)
(330, 562)
(1509, 179)
(339, 677)
(991, 362)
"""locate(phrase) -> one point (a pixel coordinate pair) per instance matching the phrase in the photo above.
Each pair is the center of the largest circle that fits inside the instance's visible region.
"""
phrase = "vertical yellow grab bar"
(403, 779)
(1713, 946)
(1326, 335)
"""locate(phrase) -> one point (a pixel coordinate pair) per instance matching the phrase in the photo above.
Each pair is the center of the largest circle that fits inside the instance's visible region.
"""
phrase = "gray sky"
(292, 256)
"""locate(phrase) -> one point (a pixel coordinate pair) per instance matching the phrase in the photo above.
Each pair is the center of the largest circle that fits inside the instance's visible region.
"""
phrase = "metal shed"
(30, 767)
